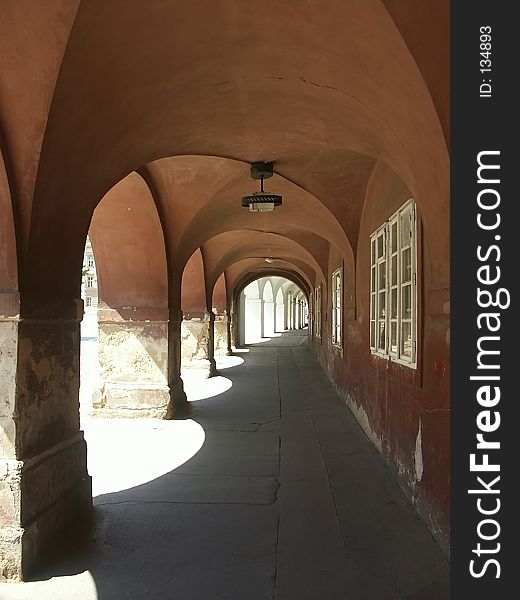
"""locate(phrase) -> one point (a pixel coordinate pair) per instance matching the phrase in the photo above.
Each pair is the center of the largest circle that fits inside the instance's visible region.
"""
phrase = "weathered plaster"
(133, 359)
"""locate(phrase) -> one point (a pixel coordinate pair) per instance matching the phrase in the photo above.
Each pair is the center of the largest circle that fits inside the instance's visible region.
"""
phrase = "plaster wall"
(404, 411)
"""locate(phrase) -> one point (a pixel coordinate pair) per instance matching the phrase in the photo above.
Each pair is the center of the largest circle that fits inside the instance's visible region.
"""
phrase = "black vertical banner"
(485, 260)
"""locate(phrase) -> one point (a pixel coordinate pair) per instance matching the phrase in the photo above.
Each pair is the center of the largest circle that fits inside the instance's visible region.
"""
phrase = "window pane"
(406, 265)
(394, 270)
(393, 237)
(406, 229)
(393, 337)
(380, 245)
(373, 251)
(406, 302)
(372, 334)
(393, 301)
(406, 339)
(382, 275)
(373, 278)
(382, 305)
(381, 340)
(372, 306)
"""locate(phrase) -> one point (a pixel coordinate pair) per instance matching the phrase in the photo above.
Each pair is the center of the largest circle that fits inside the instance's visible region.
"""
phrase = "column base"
(39, 497)
(132, 400)
(202, 368)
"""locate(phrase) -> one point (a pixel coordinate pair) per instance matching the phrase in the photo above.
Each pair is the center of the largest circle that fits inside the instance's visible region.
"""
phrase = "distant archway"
(268, 306)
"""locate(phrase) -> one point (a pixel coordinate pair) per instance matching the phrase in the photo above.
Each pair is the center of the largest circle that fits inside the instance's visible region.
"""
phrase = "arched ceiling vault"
(292, 277)
(200, 198)
(225, 249)
(253, 268)
(117, 89)
(8, 247)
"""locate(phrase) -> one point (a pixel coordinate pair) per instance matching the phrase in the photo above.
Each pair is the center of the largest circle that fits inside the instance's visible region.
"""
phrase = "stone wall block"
(221, 335)
(133, 360)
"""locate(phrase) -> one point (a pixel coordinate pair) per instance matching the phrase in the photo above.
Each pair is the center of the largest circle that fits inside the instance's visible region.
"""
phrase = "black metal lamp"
(261, 201)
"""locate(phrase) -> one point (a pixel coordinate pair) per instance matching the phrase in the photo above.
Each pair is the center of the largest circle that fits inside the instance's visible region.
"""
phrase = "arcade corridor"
(240, 173)
(285, 499)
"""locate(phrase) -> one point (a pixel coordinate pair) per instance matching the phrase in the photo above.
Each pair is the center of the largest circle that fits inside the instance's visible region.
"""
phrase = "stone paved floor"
(268, 489)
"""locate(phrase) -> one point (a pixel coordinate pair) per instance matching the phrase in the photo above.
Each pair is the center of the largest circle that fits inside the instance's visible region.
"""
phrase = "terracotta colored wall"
(193, 289)
(391, 401)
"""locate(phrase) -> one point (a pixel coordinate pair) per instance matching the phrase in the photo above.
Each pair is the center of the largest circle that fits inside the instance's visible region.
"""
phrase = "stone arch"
(268, 308)
(384, 126)
(128, 244)
(227, 248)
(8, 246)
(197, 328)
(280, 313)
(9, 309)
(71, 139)
(222, 325)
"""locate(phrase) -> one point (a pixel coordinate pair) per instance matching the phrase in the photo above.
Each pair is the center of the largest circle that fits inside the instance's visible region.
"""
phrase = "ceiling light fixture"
(261, 201)
(269, 259)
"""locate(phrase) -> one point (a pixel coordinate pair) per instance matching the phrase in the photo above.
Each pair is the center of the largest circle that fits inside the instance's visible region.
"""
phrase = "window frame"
(337, 308)
(392, 261)
(317, 312)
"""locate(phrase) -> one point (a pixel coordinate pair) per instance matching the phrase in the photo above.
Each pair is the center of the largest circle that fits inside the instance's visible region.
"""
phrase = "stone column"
(240, 320)
(177, 395)
(231, 321)
(197, 334)
(44, 484)
(221, 342)
(253, 319)
(133, 360)
(268, 318)
(279, 323)
(262, 318)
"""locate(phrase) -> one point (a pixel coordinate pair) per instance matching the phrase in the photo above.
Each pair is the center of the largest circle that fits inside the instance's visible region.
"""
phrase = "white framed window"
(337, 307)
(90, 260)
(393, 287)
(88, 301)
(90, 281)
(317, 312)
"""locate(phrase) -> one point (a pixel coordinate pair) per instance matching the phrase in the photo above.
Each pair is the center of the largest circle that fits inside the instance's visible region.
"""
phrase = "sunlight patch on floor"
(124, 453)
(80, 586)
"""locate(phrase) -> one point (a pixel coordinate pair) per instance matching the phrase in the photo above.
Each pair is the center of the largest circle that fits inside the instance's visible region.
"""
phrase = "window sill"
(393, 359)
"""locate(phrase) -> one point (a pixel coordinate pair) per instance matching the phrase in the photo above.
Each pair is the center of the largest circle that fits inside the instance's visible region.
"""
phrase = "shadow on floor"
(285, 499)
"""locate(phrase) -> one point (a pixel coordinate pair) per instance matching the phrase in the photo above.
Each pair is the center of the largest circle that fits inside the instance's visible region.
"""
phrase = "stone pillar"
(221, 341)
(268, 318)
(177, 395)
(197, 334)
(253, 320)
(262, 318)
(241, 319)
(133, 361)
(279, 322)
(44, 484)
(231, 328)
